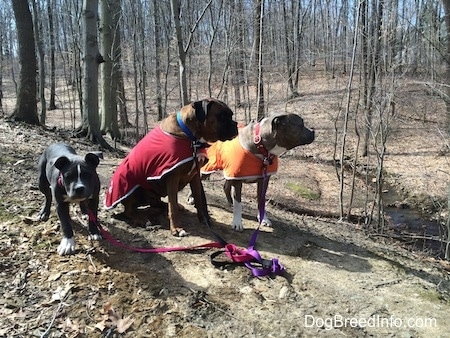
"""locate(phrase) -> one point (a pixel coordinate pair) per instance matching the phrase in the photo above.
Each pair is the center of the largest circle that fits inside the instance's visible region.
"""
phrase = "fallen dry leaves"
(112, 320)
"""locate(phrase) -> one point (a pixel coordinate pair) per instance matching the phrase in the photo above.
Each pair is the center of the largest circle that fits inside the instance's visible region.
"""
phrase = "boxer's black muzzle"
(228, 127)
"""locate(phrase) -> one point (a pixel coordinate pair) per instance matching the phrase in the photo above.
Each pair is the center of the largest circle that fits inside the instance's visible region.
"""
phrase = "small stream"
(415, 228)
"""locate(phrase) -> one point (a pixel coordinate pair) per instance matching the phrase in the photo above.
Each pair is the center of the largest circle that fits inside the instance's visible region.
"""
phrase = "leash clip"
(196, 145)
(267, 161)
(200, 145)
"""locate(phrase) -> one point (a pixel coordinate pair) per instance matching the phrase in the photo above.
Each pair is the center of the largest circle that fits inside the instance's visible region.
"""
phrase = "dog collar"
(184, 128)
(61, 180)
(196, 144)
(267, 157)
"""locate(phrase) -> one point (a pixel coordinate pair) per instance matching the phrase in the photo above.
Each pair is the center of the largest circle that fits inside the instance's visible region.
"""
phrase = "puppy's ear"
(201, 109)
(92, 159)
(61, 162)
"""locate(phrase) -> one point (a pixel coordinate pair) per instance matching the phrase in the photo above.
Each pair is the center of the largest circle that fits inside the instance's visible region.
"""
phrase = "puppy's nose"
(79, 190)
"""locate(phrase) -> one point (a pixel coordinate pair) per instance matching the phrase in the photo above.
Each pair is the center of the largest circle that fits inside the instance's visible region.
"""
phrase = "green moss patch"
(303, 191)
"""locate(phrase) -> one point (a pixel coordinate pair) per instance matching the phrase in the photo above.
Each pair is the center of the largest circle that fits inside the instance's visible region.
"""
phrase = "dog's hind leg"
(265, 221)
(227, 190)
(44, 187)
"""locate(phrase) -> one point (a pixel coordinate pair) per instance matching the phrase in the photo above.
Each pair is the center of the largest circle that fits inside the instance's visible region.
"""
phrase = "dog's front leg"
(233, 190)
(173, 208)
(262, 203)
(92, 211)
(199, 198)
(67, 245)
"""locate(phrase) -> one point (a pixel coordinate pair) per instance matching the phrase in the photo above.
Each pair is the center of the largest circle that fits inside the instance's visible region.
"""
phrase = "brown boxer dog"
(167, 159)
(258, 145)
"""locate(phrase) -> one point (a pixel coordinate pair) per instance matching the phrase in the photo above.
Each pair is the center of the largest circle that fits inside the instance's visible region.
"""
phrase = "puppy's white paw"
(237, 226)
(190, 200)
(95, 237)
(66, 247)
(182, 233)
(237, 217)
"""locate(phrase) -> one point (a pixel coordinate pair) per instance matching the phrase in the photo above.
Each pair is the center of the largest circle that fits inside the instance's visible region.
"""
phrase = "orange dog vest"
(236, 162)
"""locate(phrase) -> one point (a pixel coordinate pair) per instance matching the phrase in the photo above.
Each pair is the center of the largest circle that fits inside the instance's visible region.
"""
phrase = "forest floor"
(341, 280)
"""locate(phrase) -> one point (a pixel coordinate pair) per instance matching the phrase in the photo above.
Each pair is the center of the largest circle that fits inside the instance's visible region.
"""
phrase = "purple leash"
(250, 256)
(266, 266)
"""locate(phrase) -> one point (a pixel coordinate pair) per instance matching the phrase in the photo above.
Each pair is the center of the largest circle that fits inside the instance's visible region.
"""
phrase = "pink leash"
(105, 234)
(250, 257)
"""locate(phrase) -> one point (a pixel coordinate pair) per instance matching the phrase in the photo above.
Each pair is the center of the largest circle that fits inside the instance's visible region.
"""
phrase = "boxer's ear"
(201, 109)
(92, 159)
(61, 162)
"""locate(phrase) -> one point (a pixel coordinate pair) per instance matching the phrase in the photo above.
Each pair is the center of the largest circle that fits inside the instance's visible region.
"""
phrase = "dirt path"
(338, 282)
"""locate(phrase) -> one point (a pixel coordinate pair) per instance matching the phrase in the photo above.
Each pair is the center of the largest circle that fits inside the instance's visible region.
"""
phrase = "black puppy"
(69, 178)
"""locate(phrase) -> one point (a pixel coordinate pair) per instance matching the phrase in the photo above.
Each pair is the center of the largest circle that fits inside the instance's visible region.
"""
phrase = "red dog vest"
(157, 154)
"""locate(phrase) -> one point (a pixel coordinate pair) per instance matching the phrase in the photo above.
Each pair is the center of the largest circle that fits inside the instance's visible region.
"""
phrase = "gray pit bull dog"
(243, 158)
(69, 178)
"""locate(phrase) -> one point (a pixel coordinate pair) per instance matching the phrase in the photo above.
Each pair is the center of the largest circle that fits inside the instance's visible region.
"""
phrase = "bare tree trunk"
(259, 10)
(117, 71)
(175, 6)
(211, 44)
(341, 173)
(157, 37)
(447, 64)
(447, 104)
(344, 34)
(183, 49)
(116, 52)
(40, 48)
(298, 41)
(238, 54)
(75, 73)
(374, 69)
(313, 38)
(123, 113)
(143, 69)
(289, 56)
(52, 104)
(26, 108)
(394, 42)
(380, 133)
(135, 70)
(91, 60)
(447, 247)
(1, 70)
(365, 65)
(108, 109)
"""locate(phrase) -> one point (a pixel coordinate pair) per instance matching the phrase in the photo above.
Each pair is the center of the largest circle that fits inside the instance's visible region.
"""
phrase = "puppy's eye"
(70, 176)
(85, 175)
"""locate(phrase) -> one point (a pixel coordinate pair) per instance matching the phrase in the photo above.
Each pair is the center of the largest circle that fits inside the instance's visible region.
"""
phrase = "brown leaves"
(113, 320)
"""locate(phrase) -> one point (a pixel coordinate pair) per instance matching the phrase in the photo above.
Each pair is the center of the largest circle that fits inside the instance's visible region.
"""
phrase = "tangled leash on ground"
(249, 257)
